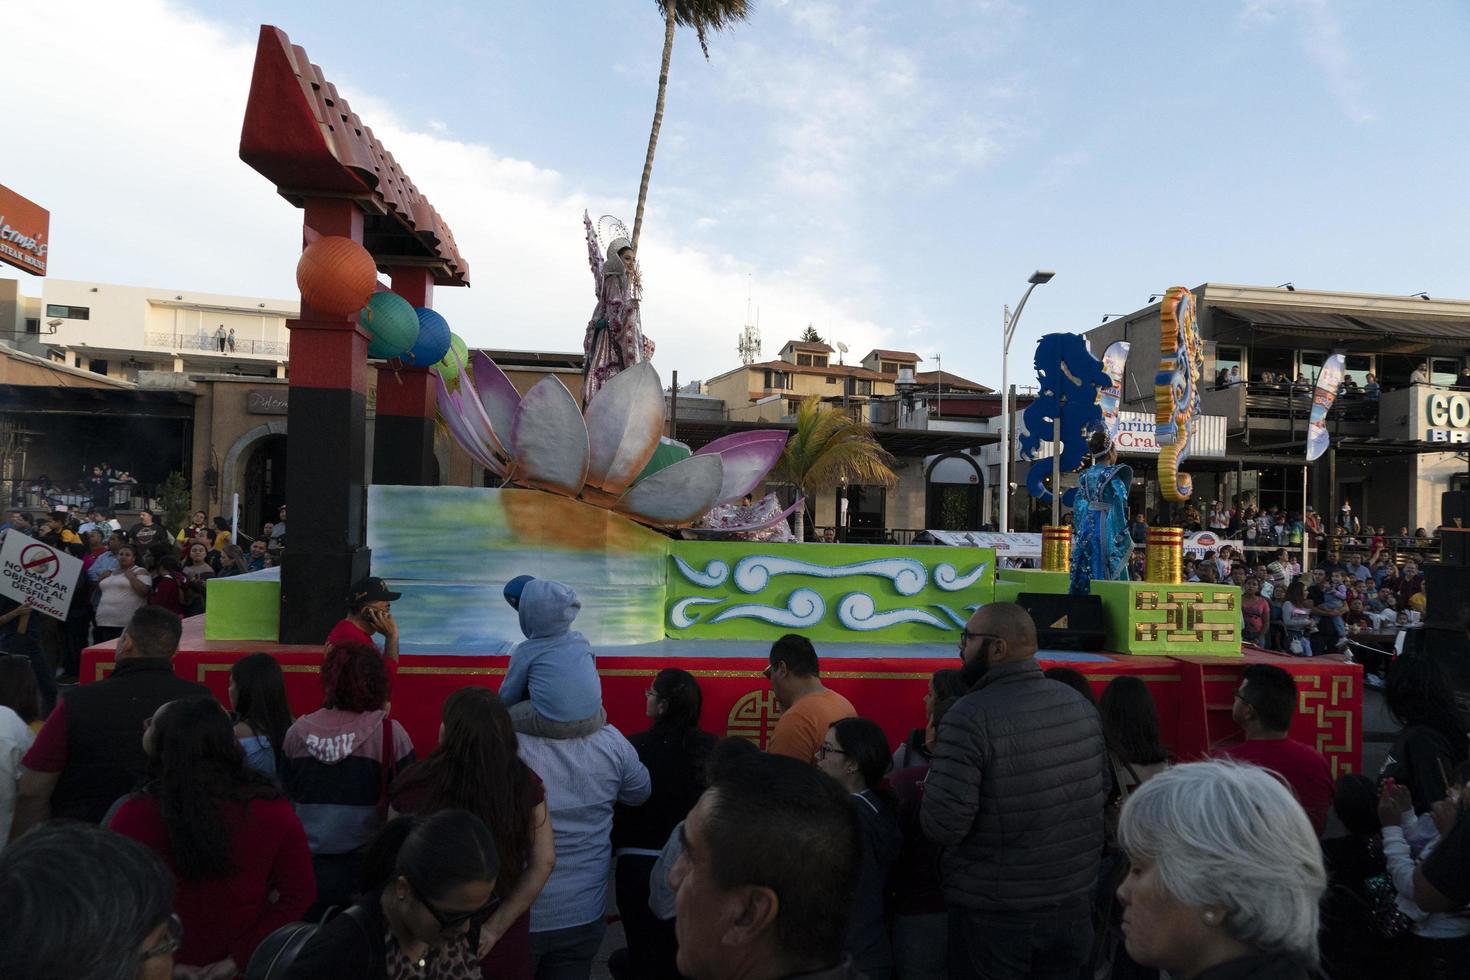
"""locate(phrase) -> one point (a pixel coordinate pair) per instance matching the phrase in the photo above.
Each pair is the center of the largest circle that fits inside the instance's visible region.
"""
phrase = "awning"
(1355, 330)
(697, 433)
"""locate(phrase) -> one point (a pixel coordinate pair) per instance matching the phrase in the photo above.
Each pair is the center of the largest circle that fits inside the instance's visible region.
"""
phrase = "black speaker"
(1454, 508)
(1451, 647)
(1447, 596)
(1065, 622)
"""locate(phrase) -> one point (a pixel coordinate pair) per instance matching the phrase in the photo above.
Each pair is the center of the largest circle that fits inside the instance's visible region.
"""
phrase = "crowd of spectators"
(123, 568)
(1027, 828)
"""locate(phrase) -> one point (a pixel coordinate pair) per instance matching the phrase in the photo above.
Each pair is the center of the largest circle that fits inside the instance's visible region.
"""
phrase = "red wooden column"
(403, 427)
(326, 453)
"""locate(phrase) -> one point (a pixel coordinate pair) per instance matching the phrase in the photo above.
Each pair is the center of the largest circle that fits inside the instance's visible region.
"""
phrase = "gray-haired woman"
(1226, 875)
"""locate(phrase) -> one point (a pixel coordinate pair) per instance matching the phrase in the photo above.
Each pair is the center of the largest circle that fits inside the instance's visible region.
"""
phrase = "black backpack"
(277, 953)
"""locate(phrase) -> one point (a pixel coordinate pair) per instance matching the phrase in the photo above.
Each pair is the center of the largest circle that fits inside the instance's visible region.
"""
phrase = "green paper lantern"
(458, 355)
(391, 323)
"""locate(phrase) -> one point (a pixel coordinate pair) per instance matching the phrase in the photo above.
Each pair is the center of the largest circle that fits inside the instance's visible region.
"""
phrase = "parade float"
(595, 496)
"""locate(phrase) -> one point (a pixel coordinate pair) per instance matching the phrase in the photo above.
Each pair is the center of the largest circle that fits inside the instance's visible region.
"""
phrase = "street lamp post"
(1039, 277)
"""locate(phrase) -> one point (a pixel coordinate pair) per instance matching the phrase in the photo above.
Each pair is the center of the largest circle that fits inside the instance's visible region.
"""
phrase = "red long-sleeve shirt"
(230, 916)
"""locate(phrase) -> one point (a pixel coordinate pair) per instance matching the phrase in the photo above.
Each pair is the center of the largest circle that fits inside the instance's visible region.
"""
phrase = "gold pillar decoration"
(1056, 548)
(1165, 556)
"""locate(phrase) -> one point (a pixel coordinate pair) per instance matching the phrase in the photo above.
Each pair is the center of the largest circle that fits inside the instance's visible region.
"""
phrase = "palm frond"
(829, 446)
(706, 16)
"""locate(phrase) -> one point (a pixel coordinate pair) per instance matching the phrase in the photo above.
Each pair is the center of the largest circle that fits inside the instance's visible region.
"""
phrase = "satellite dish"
(842, 347)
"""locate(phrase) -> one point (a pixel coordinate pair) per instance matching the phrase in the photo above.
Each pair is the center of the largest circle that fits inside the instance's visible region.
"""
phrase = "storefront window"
(1276, 361)
(1444, 371)
(1229, 365)
(1311, 364)
(1358, 367)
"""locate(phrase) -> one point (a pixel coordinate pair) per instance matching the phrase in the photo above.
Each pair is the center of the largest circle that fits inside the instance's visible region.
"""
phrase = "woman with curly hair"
(476, 768)
(227, 833)
(337, 763)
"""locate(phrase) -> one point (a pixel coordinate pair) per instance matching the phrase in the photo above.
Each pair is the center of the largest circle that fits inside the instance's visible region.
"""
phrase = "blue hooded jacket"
(554, 666)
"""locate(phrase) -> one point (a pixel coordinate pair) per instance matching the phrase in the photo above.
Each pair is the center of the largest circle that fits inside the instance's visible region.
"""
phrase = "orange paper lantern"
(336, 276)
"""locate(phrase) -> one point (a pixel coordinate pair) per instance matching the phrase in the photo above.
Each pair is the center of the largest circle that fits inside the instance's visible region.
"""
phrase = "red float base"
(1193, 694)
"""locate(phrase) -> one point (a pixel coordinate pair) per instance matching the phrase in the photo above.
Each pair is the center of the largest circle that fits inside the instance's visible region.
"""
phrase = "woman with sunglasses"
(476, 768)
(434, 879)
(855, 753)
(226, 831)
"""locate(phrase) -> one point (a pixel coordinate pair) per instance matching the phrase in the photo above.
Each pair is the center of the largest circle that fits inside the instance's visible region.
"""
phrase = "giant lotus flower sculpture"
(607, 456)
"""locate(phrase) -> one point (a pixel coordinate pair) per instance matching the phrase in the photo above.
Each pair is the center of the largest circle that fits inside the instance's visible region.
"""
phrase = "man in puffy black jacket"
(1015, 796)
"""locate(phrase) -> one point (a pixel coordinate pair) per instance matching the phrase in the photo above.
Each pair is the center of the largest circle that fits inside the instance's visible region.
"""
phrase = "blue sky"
(890, 171)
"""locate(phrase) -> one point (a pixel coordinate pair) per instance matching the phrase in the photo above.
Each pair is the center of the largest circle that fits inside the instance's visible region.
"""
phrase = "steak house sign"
(23, 229)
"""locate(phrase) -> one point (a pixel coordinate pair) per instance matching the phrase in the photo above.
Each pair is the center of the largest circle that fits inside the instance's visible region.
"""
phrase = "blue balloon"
(433, 340)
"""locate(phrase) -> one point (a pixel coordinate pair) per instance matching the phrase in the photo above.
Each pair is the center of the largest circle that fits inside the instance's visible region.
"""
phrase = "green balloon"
(457, 355)
(392, 324)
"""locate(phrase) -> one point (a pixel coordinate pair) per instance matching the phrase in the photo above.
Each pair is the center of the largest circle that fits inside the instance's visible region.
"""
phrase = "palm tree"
(704, 16)
(827, 447)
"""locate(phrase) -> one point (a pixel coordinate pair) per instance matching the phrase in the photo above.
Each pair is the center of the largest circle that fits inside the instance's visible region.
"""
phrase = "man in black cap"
(369, 611)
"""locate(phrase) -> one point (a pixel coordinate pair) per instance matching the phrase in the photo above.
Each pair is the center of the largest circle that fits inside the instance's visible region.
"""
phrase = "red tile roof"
(894, 355)
(806, 345)
(836, 370)
(303, 137)
(950, 381)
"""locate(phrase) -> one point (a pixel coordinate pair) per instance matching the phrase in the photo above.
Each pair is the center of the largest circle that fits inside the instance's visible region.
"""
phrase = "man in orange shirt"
(807, 708)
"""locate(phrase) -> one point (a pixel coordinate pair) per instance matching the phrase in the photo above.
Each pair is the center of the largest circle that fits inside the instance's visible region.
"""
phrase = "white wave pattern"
(959, 620)
(803, 608)
(858, 612)
(754, 572)
(950, 580)
(713, 576)
(680, 616)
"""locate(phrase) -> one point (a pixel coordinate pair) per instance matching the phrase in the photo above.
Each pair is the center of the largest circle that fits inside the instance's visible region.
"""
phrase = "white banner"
(1017, 544)
(46, 576)
(1195, 545)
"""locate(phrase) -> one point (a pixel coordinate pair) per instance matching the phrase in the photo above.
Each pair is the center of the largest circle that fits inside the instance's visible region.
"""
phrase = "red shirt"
(349, 632)
(48, 752)
(230, 916)
(1301, 767)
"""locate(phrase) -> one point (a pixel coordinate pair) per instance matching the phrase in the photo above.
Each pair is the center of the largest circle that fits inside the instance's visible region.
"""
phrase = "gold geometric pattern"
(754, 717)
(1186, 622)
(1331, 709)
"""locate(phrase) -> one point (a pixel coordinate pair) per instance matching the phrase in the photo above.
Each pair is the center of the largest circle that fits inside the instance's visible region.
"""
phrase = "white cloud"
(137, 158)
(1325, 43)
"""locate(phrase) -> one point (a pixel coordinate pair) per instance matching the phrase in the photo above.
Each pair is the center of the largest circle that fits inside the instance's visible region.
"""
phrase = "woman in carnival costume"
(1102, 543)
(614, 340)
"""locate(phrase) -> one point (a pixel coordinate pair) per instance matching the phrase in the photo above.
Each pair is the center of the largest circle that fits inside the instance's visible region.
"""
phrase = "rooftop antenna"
(749, 347)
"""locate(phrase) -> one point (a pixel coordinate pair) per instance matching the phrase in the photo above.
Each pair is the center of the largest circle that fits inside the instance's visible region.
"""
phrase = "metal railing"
(210, 344)
(40, 496)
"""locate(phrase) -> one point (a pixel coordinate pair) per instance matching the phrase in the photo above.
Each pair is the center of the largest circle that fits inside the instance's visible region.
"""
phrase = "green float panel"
(244, 607)
(1013, 581)
(833, 592)
(1157, 619)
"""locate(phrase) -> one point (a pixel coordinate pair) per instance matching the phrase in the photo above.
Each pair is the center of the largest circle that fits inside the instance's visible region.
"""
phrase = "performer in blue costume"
(1101, 543)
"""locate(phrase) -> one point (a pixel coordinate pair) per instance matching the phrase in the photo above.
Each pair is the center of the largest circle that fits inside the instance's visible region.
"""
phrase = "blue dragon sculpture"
(1068, 377)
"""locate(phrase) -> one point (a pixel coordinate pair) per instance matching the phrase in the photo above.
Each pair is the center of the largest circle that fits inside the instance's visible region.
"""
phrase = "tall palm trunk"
(658, 119)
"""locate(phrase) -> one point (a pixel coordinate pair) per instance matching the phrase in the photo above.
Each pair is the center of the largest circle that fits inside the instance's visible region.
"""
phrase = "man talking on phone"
(369, 611)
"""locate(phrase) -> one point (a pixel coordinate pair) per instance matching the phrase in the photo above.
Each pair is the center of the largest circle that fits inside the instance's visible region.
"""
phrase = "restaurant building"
(1395, 424)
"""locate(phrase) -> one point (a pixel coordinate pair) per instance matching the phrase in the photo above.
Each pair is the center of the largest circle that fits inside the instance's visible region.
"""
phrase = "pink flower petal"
(676, 495)
(624, 422)
(451, 410)
(550, 440)
(498, 397)
(747, 458)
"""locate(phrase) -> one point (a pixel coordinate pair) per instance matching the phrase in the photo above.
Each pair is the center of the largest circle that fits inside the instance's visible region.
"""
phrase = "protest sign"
(38, 573)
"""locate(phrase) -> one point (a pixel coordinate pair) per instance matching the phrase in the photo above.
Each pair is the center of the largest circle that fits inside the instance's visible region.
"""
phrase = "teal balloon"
(391, 323)
(457, 356)
(433, 339)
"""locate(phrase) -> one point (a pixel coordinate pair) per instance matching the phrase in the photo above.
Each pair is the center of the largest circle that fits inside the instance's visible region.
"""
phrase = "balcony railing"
(210, 344)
